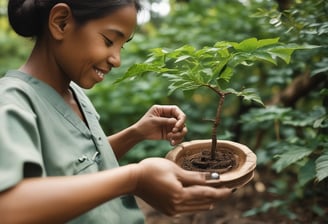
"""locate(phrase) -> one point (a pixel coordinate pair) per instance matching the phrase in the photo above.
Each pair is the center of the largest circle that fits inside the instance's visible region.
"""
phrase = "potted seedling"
(228, 164)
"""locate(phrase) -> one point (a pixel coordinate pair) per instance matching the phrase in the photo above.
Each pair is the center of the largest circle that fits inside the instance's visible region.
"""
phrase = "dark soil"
(222, 162)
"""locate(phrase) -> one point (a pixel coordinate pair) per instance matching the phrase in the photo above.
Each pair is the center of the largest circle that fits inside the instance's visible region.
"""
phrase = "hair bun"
(24, 17)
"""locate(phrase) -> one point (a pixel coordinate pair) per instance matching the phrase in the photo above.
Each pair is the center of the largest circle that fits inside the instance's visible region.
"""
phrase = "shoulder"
(16, 90)
(13, 80)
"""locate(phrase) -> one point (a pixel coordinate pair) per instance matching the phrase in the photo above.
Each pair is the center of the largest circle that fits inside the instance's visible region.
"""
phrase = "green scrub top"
(40, 135)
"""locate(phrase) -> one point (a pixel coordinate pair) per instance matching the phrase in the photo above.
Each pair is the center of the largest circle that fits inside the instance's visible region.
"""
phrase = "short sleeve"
(20, 154)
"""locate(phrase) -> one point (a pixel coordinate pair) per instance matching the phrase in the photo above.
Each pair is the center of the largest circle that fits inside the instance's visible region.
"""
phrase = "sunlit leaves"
(248, 95)
(141, 69)
(253, 43)
(188, 68)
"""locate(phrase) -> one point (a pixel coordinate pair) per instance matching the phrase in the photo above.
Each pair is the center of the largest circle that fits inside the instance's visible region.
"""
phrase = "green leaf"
(264, 56)
(321, 66)
(321, 122)
(266, 42)
(243, 58)
(224, 44)
(184, 50)
(247, 45)
(318, 71)
(207, 75)
(219, 66)
(307, 172)
(226, 74)
(248, 95)
(211, 65)
(265, 207)
(182, 58)
(253, 43)
(268, 114)
(317, 118)
(291, 156)
(282, 52)
(137, 70)
(322, 166)
(158, 52)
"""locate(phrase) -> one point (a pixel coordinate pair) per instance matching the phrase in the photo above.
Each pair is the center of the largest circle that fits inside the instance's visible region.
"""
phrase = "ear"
(60, 19)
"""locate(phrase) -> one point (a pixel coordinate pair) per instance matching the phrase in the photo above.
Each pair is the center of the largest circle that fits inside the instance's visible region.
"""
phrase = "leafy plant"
(188, 68)
(308, 152)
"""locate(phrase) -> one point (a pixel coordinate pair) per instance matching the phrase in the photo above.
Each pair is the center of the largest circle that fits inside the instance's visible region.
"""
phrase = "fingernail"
(233, 190)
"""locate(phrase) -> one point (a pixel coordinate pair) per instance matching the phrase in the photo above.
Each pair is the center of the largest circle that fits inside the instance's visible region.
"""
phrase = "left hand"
(163, 122)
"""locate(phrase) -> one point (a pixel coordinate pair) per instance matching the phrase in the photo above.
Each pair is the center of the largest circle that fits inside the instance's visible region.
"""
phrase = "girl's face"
(90, 51)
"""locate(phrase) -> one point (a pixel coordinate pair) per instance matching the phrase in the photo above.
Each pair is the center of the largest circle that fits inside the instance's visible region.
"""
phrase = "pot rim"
(241, 170)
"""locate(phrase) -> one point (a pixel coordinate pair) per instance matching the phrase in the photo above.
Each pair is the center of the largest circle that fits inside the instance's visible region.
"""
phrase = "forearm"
(124, 140)
(59, 199)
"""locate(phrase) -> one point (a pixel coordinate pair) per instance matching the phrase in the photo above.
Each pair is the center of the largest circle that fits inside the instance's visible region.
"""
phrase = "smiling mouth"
(100, 73)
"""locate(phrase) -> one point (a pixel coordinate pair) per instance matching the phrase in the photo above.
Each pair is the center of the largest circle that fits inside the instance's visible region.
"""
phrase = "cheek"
(91, 50)
(89, 57)
(78, 56)
(83, 58)
(86, 47)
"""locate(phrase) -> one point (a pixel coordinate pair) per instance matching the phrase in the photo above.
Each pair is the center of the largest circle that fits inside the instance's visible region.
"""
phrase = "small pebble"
(215, 176)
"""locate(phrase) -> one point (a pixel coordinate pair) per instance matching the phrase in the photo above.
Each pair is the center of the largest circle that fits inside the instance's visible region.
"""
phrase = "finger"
(190, 178)
(181, 128)
(176, 139)
(180, 116)
(179, 133)
(204, 194)
(166, 123)
(194, 208)
(200, 202)
(199, 198)
(175, 125)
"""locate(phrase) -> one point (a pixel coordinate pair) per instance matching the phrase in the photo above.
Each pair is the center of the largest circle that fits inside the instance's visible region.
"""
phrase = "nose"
(114, 58)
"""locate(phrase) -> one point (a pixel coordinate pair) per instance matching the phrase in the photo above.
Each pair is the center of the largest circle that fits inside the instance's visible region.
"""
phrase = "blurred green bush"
(290, 135)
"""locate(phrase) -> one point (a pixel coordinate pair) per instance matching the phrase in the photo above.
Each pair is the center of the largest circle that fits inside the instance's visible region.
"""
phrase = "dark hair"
(28, 17)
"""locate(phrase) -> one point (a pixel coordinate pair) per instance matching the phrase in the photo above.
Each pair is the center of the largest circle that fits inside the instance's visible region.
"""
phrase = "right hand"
(173, 190)
(163, 122)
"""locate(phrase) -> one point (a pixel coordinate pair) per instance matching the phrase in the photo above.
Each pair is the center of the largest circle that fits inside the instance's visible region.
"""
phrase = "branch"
(301, 86)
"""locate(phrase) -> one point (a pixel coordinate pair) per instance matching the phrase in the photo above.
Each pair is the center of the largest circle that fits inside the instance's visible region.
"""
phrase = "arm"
(60, 199)
(159, 123)
(159, 182)
(124, 140)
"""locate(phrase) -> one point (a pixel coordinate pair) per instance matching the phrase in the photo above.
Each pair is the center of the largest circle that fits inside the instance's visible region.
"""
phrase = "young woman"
(56, 164)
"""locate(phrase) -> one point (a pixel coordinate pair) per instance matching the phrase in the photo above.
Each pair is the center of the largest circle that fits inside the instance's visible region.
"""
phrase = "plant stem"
(216, 124)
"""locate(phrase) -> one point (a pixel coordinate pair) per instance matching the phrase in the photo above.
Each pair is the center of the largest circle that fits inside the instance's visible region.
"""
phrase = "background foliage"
(289, 135)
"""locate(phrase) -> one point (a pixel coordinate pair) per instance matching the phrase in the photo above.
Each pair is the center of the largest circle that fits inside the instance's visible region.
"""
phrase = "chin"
(86, 85)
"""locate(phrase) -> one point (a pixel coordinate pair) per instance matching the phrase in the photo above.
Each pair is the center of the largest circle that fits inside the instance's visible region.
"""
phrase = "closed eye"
(127, 41)
(107, 41)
